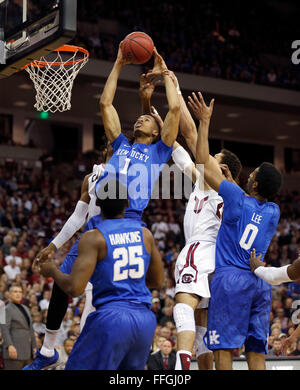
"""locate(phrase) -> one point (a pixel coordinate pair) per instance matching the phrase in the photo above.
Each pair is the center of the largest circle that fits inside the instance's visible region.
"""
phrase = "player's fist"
(44, 255)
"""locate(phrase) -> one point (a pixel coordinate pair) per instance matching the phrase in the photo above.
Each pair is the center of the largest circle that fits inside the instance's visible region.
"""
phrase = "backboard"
(30, 29)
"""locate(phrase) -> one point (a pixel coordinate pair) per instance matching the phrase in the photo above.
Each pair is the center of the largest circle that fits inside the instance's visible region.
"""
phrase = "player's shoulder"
(93, 237)
(147, 235)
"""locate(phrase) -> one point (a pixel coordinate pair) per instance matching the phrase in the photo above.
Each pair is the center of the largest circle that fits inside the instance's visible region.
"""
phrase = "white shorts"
(193, 266)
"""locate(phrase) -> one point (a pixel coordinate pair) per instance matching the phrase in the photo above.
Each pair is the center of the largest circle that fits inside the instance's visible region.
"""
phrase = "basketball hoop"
(53, 80)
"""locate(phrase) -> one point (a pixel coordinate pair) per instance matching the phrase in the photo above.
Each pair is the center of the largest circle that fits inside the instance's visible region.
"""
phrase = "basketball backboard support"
(30, 29)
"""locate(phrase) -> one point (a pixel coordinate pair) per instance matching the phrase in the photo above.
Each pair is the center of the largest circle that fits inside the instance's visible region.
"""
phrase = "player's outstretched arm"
(90, 247)
(72, 225)
(170, 128)
(274, 275)
(184, 162)
(187, 124)
(155, 275)
(147, 87)
(212, 172)
(109, 114)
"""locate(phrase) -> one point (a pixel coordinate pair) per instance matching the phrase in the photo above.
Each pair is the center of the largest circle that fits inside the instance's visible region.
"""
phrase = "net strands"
(53, 80)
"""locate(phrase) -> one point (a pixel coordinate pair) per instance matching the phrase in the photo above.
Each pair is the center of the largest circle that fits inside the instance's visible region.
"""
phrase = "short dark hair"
(233, 163)
(112, 203)
(269, 180)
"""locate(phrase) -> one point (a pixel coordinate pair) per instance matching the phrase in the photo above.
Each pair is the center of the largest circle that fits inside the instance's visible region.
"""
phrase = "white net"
(53, 80)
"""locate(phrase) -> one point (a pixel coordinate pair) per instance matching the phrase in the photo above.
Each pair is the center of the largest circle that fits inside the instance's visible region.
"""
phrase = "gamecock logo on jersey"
(187, 278)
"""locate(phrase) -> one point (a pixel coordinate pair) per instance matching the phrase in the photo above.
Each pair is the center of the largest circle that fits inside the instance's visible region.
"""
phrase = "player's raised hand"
(156, 115)
(159, 65)
(226, 172)
(121, 58)
(147, 86)
(200, 109)
(254, 261)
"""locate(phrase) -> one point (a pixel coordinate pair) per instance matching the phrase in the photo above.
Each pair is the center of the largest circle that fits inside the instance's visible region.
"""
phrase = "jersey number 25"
(125, 258)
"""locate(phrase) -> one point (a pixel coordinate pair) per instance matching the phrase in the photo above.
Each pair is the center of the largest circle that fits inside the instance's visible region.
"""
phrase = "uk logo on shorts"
(213, 337)
(187, 278)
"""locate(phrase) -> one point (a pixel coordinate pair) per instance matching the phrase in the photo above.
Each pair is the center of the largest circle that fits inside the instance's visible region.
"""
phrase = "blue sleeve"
(162, 152)
(233, 197)
(118, 141)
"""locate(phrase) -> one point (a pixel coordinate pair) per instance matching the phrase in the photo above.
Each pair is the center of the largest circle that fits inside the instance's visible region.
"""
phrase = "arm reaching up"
(170, 128)
(187, 124)
(212, 172)
(109, 114)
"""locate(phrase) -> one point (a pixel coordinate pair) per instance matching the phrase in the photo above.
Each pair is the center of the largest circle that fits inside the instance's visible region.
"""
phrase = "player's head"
(148, 126)
(264, 181)
(106, 151)
(231, 160)
(112, 198)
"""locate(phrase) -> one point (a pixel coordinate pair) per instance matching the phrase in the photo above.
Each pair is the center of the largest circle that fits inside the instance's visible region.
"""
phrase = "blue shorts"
(117, 336)
(239, 311)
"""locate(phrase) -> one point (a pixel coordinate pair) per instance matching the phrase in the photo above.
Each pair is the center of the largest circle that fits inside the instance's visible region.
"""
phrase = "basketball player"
(144, 159)
(85, 210)
(201, 224)
(118, 257)
(240, 302)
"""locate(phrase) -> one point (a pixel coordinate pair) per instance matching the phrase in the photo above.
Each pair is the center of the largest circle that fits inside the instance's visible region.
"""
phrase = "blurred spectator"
(44, 303)
(13, 255)
(12, 270)
(276, 350)
(164, 359)
(37, 324)
(294, 290)
(64, 352)
(18, 334)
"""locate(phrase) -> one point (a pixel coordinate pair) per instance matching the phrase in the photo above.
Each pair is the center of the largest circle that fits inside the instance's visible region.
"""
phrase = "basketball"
(137, 47)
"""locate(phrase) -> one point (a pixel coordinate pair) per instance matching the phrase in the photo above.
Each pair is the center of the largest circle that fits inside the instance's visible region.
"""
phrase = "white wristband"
(73, 224)
(273, 275)
(181, 158)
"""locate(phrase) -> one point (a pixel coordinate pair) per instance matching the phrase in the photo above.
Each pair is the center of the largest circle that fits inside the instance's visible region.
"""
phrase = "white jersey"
(203, 215)
(97, 172)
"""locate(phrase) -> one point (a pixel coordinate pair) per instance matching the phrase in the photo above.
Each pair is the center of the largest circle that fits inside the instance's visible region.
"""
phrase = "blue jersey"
(247, 224)
(121, 276)
(138, 167)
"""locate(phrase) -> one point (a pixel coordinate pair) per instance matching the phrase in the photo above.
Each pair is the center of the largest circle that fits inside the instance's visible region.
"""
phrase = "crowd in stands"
(233, 41)
(34, 204)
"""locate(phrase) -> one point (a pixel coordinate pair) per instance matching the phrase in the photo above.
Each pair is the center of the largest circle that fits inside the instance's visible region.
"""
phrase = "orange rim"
(65, 48)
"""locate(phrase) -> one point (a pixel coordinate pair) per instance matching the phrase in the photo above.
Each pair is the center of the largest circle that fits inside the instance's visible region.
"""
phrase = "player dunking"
(144, 158)
(118, 257)
(240, 302)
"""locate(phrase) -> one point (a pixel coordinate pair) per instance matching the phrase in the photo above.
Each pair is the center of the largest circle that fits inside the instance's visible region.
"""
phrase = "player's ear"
(155, 133)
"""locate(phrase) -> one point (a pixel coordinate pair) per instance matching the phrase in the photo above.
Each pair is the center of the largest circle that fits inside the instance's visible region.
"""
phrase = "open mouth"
(138, 125)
